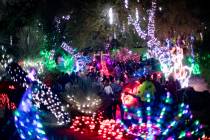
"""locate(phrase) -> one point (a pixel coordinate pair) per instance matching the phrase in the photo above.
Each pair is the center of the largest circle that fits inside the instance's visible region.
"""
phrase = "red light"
(11, 87)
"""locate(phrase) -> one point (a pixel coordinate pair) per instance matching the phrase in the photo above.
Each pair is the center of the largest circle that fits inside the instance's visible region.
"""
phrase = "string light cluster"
(104, 70)
(27, 119)
(65, 62)
(81, 62)
(149, 122)
(83, 124)
(87, 124)
(151, 27)
(124, 55)
(170, 64)
(137, 27)
(5, 59)
(141, 72)
(37, 64)
(195, 66)
(41, 95)
(5, 102)
(89, 106)
(144, 123)
(110, 129)
(18, 75)
(128, 93)
(67, 48)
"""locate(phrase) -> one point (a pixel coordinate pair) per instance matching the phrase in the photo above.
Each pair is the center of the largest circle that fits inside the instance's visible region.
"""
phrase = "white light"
(137, 14)
(126, 4)
(169, 63)
(110, 16)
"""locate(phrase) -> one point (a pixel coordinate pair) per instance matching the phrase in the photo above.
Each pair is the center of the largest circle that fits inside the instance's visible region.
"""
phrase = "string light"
(81, 62)
(110, 129)
(48, 58)
(128, 99)
(18, 75)
(110, 16)
(137, 27)
(107, 129)
(126, 4)
(27, 119)
(37, 64)
(148, 122)
(169, 63)
(65, 62)
(67, 17)
(86, 124)
(137, 14)
(67, 48)
(195, 66)
(125, 55)
(5, 102)
(89, 106)
(41, 95)
(5, 59)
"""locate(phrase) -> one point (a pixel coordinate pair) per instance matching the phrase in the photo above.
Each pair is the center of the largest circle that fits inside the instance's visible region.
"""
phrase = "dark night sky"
(20, 13)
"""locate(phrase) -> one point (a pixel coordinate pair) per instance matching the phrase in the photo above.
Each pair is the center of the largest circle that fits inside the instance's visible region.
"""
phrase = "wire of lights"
(27, 119)
(41, 94)
(147, 122)
(5, 59)
(89, 106)
(37, 64)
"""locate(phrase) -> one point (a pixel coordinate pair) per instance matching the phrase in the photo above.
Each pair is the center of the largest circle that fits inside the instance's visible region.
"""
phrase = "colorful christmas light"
(41, 95)
(48, 57)
(67, 48)
(65, 62)
(149, 122)
(5, 102)
(37, 64)
(128, 94)
(89, 106)
(110, 129)
(27, 119)
(169, 62)
(5, 58)
(81, 62)
(125, 55)
(87, 124)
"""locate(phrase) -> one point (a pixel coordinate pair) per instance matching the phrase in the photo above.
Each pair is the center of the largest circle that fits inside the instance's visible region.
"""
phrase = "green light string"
(48, 60)
(50, 63)
(167, 100)
(183, 110)
(194, 65)
(193, 130)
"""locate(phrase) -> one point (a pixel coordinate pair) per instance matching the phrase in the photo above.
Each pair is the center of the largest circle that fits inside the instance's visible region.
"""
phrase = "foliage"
(203, 51)
(31, 41)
